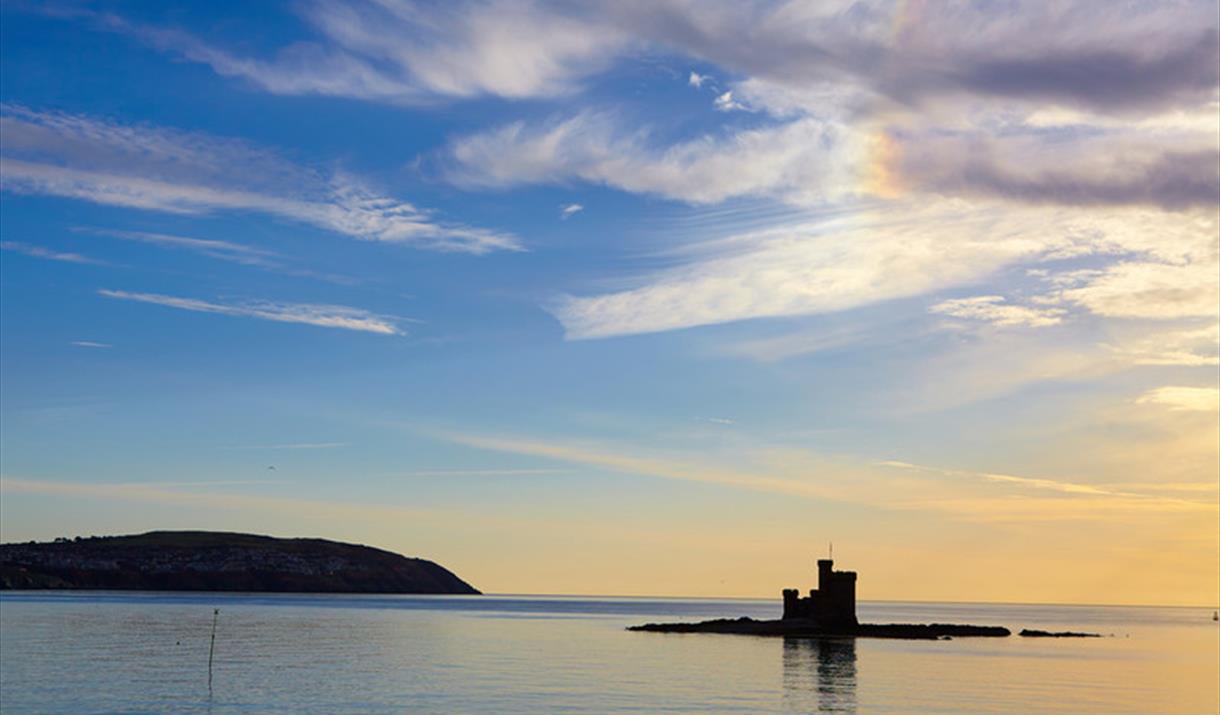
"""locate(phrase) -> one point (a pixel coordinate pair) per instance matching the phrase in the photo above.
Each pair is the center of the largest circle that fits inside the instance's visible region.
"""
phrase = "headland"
(219, 561)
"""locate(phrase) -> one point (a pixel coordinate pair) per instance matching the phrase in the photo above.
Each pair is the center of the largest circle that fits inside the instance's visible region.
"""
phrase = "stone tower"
(832, 603)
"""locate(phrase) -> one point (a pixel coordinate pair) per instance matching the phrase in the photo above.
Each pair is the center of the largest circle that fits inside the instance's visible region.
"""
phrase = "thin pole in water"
(212, 647)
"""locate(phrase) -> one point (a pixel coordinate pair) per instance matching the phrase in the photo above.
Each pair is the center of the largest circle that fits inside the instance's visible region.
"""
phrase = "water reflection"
(820, 675)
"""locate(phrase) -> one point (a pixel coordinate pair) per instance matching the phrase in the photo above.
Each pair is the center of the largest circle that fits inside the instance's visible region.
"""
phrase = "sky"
(626, 298)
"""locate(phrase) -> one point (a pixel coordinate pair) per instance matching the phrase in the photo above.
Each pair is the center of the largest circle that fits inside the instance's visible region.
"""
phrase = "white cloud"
(91, 344)
(1152, 290)
(40, 252)
(156, 169)
(864, 63)
(238, 253)
(665, 467)
(326, 316)
(944, 113)
(872, 253)
(932, 127)
(808, 268)
(797, 343)
(942, 372)
(803, 161)
(913, 54)
(214, 248)
(993, 309)
(725, 103)
(801, 473)
(400, 51)
(840, 99)
(1189, 346)
(1054, 485)
(1194, 399)
(568, 210)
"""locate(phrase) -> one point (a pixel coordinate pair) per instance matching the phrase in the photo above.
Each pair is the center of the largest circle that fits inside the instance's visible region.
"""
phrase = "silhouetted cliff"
(219, 561)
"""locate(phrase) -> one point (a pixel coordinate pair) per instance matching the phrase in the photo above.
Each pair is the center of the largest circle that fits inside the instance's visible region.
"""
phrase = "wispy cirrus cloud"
(958, 110)
(229, 251)
(1146, 289)
(1189, 346)
(796, 343)
(1075, 54)
(872, 64)
(802, 268)
(213, 248)
(904, 249)
(994, 310)
(890, 484)
(326, 316)
(647, 465)
(156, 169)
(33, 251)
(406, 52)
(1036, 483)
(800, 161)
(725, 102)
(1175, 397)
(91, 344)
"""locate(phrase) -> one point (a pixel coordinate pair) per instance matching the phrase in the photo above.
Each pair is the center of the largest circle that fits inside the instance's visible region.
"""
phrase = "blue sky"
(624, 297)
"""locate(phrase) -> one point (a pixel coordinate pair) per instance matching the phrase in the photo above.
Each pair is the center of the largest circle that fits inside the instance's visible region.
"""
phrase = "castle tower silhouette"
(832, 603)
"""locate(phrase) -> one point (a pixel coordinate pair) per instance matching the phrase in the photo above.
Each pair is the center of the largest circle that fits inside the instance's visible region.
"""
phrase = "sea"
(138, 652)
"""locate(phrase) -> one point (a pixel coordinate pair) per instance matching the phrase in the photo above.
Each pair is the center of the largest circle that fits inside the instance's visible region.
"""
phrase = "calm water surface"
(113, 652)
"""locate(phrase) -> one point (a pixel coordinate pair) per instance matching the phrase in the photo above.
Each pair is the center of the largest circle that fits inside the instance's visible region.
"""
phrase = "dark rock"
(1056, 634)
(219, 561)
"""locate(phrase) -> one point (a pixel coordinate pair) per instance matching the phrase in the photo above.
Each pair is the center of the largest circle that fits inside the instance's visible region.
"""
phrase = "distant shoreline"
(207, 561)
